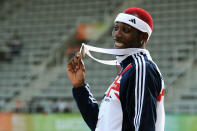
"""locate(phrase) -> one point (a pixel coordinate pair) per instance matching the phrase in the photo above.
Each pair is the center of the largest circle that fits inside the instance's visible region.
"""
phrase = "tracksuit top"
(133, 102)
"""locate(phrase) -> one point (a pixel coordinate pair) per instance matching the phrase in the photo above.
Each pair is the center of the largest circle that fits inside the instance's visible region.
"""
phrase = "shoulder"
(152, 69)
(153, 76)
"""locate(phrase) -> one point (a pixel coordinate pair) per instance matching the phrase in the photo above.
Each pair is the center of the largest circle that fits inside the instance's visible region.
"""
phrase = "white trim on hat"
(134, 22)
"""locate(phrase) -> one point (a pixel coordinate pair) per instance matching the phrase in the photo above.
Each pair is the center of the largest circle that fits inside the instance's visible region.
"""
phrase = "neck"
(132, 52)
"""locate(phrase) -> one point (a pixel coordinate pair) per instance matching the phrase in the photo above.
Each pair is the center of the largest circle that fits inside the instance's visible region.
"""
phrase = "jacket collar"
(126, 59)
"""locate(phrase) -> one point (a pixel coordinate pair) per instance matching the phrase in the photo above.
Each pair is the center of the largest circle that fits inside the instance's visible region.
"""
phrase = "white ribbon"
(85, 49)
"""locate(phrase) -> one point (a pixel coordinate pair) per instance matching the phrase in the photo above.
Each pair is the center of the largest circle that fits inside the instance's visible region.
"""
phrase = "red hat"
(142, 14)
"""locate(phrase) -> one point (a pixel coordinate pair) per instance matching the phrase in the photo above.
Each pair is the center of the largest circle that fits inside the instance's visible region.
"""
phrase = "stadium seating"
(44, 25)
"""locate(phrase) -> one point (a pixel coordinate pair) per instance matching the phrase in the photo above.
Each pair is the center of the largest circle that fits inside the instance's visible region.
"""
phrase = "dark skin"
(124, 36)
(76, 71)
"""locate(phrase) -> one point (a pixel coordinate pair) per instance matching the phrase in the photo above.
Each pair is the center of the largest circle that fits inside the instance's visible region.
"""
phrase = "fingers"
(80, 62)
(75, 63)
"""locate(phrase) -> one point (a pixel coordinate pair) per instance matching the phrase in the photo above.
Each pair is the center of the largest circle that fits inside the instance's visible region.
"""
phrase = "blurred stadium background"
(37, 37)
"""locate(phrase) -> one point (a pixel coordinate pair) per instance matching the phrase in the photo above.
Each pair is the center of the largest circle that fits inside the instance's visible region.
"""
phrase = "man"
(134, 101)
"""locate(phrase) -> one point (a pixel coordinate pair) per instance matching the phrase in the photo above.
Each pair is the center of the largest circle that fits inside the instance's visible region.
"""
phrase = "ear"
(144, 37)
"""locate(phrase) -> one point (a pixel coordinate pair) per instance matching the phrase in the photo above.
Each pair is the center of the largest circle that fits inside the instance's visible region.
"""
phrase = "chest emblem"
(115, 86)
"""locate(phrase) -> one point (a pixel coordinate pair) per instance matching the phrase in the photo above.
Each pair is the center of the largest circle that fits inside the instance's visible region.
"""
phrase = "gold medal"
(82, 51)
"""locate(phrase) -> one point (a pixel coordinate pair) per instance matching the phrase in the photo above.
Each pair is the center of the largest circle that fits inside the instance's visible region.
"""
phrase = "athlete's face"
(125, 36)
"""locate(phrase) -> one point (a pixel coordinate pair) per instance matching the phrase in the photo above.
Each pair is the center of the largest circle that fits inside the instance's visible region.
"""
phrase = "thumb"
(82, 66)
(81, 63)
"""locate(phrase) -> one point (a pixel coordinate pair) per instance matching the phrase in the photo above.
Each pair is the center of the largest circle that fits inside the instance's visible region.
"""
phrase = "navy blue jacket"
(140, 91)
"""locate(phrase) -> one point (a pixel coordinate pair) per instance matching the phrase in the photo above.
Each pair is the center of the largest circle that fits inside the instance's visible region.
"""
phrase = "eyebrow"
(127, 26)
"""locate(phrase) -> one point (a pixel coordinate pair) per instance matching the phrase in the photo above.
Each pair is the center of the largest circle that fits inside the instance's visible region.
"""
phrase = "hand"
(76, 71)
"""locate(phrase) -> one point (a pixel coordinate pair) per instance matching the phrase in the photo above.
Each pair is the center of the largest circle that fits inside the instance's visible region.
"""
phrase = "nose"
(117, 35)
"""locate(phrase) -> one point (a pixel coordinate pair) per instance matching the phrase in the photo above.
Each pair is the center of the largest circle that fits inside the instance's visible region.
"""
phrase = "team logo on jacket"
(113, 91)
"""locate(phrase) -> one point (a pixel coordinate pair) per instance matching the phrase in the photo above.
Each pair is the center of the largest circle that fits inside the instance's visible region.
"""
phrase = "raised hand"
(76, 71)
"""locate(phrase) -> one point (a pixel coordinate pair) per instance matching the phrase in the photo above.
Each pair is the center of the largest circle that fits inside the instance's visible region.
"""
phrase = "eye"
(116, 27)
(126, 30)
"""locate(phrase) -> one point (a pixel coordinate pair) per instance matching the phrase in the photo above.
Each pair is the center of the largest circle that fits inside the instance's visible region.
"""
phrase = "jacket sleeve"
(138, 96)
(87, 105)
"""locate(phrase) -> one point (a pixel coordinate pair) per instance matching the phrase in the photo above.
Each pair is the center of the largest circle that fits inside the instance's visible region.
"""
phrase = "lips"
(118, 45)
